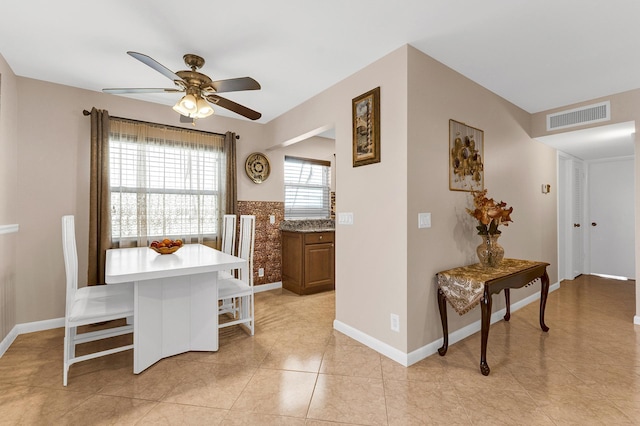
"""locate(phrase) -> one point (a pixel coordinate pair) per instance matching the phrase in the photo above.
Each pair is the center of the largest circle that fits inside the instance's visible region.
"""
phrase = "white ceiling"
(537, 54)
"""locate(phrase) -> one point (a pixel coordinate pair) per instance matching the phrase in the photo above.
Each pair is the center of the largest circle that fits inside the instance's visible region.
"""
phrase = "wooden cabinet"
(308, 260)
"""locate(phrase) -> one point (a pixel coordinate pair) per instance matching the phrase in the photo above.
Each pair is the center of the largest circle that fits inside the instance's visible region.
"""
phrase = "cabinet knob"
(320, 236)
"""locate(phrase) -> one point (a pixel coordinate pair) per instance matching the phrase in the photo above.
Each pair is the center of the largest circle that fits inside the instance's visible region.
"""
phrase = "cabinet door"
(292, 262)
(318, 265)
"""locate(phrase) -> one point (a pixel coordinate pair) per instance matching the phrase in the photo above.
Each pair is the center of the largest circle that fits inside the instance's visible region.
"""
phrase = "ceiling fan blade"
(232, 106)
(147, 60)
(233, 85)
(140, 90)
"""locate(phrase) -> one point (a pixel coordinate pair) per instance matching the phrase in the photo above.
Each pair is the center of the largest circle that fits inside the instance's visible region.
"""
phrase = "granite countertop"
(315, 225)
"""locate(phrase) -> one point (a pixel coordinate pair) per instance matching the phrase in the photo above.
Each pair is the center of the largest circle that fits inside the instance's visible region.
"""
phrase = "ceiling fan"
(199, 88)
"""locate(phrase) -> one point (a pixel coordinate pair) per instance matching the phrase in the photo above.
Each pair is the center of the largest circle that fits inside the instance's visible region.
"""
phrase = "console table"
(468, 286)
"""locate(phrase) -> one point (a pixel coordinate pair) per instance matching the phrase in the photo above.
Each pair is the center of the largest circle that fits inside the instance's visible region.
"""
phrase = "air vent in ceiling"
(579, 116)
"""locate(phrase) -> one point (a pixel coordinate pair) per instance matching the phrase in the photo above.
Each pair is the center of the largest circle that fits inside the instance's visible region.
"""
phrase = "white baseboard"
(430, 348)
(9, 229)
(29, 327)
(375, 344)
(267, 287)
(8, 340)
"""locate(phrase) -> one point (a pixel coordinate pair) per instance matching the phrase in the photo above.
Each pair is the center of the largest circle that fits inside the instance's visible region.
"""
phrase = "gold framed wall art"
(466, 167)
(366, 128)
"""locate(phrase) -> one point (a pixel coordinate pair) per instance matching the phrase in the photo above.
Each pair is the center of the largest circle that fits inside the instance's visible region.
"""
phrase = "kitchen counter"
(315, 225)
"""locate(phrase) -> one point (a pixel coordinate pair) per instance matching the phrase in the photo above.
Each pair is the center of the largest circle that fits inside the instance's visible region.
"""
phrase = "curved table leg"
(507, 298)
(442, 306)
(544, 292)
(485, 306)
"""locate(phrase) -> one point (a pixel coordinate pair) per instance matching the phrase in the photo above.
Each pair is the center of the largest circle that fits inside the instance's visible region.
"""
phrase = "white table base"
(175, 298)
(174, 315)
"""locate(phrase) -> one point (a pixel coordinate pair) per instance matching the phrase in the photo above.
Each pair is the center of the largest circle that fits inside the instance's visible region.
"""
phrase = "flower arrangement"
(489, 213)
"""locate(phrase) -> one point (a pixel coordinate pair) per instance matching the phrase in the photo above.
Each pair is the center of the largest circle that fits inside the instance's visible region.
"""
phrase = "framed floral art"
(466, 168)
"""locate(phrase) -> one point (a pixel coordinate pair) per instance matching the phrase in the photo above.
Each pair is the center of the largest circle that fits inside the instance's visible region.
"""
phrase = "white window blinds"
(164, 183)
(307, 188)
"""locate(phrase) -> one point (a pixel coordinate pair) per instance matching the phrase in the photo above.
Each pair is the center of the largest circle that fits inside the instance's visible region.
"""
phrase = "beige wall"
(384, 263)
(8, 195)
(515, 166)
(370, 254)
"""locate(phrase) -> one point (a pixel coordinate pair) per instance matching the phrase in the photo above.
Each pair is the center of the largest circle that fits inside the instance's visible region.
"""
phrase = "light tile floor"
(297, 370)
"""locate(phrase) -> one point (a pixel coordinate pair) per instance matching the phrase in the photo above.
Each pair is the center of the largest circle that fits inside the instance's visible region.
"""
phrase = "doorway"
(610, 224)
(581, 148)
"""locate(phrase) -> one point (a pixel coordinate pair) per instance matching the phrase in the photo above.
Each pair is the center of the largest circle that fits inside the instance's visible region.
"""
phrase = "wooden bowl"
(166, 250)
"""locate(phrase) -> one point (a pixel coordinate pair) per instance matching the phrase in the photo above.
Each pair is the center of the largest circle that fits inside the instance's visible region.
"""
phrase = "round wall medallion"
(257, 167)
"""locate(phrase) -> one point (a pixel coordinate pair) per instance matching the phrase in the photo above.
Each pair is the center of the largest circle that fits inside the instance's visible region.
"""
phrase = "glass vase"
(490, 253)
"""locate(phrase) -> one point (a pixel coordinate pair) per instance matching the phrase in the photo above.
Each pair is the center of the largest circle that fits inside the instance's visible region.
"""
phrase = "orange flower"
(489, 213)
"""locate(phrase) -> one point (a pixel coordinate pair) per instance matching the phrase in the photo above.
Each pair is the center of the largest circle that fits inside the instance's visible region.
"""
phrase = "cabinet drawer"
(318, 237)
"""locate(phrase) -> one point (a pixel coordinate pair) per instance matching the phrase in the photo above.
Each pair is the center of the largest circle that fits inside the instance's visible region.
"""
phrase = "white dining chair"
(229, 234)
(228, 240)
(240, 289)
(90, 305)
(228, 246)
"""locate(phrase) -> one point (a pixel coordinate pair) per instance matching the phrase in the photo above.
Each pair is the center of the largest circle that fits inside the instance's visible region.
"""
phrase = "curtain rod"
(87, 113)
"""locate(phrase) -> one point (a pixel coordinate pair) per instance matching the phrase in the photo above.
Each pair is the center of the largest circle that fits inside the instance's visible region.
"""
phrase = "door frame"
(566, 265)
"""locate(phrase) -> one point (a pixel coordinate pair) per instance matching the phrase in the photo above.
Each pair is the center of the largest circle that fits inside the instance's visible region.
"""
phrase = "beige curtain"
(99, 212)
(140, 212)
(231, 187)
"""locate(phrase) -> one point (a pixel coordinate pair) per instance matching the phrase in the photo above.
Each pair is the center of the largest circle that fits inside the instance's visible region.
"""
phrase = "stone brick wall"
(267, 250)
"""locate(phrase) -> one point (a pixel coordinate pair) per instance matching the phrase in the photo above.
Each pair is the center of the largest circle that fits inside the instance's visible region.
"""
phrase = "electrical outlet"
(272, 219)
(261, 272)
(395, 322)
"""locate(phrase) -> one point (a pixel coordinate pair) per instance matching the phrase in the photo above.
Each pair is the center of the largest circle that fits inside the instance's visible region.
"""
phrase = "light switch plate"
(424, 220)
(395, 322)
(345, 218)
(272, 219)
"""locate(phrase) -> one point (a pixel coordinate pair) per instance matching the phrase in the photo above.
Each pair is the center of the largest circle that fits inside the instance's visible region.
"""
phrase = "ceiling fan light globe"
(203, 114)
(189, 103)
(180, 110)
(204, 109)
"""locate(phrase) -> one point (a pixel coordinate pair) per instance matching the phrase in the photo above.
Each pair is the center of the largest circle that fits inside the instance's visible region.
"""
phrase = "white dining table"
(175, 298)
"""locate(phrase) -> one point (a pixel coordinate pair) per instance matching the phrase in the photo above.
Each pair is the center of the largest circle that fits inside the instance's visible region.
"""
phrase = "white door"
(577, 215)
(611, 217)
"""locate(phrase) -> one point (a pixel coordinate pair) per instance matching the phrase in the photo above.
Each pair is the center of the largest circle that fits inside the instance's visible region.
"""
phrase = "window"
(164, 182)
(307, 188)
